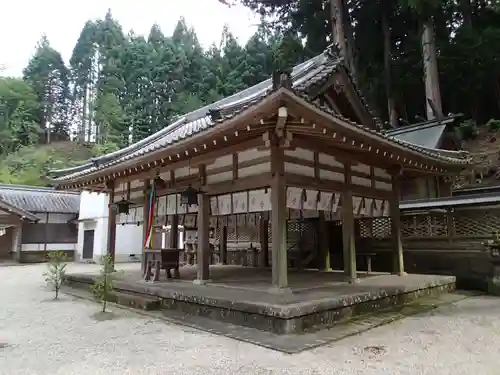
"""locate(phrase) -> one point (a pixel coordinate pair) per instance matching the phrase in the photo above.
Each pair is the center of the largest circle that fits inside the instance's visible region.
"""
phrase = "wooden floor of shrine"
(244, 296)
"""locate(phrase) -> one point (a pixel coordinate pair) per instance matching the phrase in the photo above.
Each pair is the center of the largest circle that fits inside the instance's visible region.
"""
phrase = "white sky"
(24, 21)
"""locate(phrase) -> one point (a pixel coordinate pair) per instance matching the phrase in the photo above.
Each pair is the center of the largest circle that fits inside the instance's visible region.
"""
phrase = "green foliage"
(18, 111)
(30, 165)
(55, 275)
(493, 124)
(120, 88)
(103, 286)
(48, 76)
(468, 129)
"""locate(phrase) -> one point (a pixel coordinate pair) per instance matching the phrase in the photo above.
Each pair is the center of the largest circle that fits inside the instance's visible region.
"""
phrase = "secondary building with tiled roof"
(35, 220)
(301, 145)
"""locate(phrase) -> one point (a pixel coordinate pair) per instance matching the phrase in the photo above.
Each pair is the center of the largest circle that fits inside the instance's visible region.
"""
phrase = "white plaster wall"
(94, 216)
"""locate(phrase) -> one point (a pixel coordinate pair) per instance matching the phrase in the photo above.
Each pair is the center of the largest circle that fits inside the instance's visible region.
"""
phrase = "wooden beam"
(234, 166)
(334, 186)
(194, 161)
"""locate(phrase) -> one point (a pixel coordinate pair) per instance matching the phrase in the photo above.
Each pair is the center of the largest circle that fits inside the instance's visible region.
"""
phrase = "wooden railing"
(460, 230)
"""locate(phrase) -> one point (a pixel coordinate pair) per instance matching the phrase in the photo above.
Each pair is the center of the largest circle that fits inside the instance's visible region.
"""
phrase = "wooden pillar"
(223, 245)
(145, 216)
(264, 242)
(111, 221)
(324, 246)
(17, 235)
(397, 244)
(278, 220)
(203, 250)
(174, 233)
(348, 236)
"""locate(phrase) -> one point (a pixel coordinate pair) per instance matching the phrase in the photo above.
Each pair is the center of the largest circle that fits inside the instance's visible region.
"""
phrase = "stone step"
(123, 298)
(136, 301)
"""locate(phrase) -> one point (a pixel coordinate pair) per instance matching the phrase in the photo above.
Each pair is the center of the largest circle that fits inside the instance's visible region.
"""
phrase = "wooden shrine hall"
(300, 147)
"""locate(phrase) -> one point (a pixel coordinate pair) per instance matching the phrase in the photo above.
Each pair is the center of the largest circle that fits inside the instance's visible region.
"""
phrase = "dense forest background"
(118, 88)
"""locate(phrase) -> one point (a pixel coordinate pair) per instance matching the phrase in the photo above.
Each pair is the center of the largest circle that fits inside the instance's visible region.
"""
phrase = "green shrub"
(56, 270)
(493, 124)
(468, 129)
(103, 285)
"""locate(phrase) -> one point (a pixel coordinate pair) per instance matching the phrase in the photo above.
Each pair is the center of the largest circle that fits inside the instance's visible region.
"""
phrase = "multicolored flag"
(148, 243)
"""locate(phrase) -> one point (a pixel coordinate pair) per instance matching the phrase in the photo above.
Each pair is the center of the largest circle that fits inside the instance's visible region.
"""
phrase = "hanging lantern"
(189, 197)
(160, 183)
(123, 206)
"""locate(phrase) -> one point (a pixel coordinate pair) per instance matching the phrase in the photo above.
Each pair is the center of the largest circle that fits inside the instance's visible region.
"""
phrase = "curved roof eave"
(416, 150)
(299, 74)
(451, 158)
(5, 206)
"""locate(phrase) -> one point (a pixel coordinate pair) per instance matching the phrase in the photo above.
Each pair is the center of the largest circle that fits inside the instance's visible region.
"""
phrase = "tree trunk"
(81, 130)
(391, 105)
(349, 36)
(340, 18)
(466, 8)
(431, 74)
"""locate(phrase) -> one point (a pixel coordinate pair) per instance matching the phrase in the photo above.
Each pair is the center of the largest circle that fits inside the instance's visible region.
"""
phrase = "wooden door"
(88, 244)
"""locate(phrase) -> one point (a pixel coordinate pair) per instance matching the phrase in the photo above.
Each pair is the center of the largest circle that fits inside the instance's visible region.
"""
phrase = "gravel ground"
(40, 336)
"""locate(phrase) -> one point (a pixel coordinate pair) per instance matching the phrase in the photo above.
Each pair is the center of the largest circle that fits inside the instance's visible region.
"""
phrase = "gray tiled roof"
(427, 134)
(39, 199)
(449, 202)
(448, 156)
(7, 207)
(307, 75)
(312, 72)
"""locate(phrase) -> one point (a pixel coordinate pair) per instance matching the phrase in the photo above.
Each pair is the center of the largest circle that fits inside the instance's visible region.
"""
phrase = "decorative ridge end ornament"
(215, 114)
(333, 51)
(282, 79)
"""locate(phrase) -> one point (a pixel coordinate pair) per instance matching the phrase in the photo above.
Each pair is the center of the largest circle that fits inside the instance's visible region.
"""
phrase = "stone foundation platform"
(242, 296)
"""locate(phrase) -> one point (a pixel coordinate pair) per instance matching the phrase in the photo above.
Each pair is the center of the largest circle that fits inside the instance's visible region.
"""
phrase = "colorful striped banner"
(148, 243)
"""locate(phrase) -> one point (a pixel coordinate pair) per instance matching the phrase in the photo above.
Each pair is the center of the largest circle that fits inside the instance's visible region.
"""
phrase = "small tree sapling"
(103, 285)
(56, 272)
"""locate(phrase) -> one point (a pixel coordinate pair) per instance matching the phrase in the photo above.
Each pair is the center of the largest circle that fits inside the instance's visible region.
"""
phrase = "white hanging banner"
(131, 215)
(356, 204)
(369, 207)
(214, 207)
(181, 208)
(362, 207)
(294, 198)
(192, 209)
(259, 200)
(171, 204)
(385, 211)
(190, 221)
(325, 201)
(162, 205)
(225, 205)
(240, 203)
(377, 207)
(335, 202)
(310, 200)
(139, 214)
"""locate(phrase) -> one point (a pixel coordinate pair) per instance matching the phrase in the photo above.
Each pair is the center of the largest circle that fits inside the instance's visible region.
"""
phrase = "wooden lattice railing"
(470, 224)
